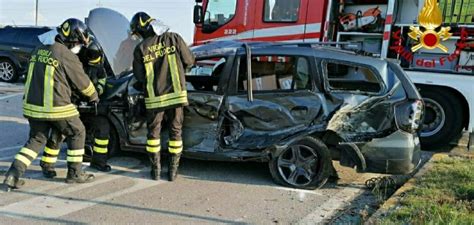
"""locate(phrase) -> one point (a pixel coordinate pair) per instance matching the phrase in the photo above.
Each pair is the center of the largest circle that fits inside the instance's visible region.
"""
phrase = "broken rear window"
(351, 78)
(204, 75)
(271, 73)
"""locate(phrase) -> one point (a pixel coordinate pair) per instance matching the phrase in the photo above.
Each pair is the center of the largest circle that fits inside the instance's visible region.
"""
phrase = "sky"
(178, 14)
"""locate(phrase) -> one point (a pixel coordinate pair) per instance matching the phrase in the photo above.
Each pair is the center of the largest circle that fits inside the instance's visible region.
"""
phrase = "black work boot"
(155, 159)
(48, 169)
(12, 182)
(75, 174)
(173, 166)
(99, 162)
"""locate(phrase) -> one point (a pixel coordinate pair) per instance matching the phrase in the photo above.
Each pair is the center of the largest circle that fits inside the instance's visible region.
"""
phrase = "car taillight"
(409, 115)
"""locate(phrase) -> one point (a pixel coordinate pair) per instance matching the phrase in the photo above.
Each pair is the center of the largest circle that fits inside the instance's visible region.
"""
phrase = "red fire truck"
(428, 49)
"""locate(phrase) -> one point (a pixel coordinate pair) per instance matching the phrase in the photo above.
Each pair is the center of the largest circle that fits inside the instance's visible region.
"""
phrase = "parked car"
(295, 106)
(16, 45)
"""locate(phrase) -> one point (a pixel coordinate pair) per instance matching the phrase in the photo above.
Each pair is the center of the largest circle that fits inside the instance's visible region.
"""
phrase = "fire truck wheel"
(443, 118)
(305, 164)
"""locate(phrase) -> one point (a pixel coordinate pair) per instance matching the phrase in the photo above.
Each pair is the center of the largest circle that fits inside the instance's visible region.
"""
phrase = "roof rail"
(25, 26)
(352, 46)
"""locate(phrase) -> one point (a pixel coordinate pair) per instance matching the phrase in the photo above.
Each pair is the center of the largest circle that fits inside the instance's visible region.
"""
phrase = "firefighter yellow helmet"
(141, 25)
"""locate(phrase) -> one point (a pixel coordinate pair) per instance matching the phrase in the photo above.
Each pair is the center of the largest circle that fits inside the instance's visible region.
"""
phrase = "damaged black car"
(295, 106)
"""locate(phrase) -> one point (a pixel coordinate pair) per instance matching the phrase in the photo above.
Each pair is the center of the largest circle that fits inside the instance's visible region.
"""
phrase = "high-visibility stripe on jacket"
(159, 63)
(53, 72)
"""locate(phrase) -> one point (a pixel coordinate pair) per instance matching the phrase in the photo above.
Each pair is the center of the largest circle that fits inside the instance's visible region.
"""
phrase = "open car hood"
(111, 30)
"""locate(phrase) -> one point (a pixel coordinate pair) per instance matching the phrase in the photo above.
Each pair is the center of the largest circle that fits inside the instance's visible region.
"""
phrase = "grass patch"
(444, 195)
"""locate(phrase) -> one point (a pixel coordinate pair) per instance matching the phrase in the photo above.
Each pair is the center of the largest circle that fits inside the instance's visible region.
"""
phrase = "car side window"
(30, 37)
(205, 74)
(281, 10)
(8, 35)
(351, 78)
(273, 73)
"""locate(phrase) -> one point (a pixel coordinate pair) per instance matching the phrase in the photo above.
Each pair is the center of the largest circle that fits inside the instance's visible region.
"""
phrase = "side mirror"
(198, 15)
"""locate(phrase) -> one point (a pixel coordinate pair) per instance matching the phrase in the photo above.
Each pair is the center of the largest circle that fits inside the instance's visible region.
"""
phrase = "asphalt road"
(205, 192)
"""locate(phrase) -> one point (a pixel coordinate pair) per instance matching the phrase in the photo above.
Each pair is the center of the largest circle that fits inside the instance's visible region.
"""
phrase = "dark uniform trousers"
(75, 134)
(101, 129)
(175, 119)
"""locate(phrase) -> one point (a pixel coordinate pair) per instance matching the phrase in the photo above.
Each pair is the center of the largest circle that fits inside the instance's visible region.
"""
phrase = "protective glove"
(95, 100)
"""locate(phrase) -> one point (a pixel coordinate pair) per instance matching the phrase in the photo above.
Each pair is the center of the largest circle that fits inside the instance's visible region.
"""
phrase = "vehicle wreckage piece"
(292, 115)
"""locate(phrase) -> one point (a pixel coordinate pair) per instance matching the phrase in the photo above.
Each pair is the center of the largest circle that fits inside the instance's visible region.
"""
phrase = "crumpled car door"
(201, 119)
(278, 108)
(270, 118)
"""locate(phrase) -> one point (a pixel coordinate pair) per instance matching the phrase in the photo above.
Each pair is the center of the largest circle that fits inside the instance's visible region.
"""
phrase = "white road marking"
(7, 149)
(329, 208)
(13, 119)
(62, 170)
(299, 191)
(10, 96)
(52, 207)
(10, 148)
(59, 205)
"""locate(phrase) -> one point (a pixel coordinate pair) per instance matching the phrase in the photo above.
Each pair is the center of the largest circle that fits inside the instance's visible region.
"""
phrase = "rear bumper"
(398, 153)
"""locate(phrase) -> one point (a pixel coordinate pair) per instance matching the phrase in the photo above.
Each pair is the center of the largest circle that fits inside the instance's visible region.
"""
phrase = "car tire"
(443, 118)
(8, 71)
(114, 143)
(305, 164)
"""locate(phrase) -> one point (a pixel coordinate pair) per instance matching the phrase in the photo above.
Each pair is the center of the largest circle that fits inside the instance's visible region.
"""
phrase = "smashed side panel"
(201, 122)
(270, 118)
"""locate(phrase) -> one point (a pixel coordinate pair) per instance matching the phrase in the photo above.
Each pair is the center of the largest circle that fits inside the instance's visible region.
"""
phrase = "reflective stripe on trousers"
(175, 147)
(75, 156)
(26, 156)
(50, 155)
(100, 145)
(153, 145)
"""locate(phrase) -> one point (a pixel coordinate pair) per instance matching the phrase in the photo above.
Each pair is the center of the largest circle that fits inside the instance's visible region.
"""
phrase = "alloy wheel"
(6, 71)
(298, 165)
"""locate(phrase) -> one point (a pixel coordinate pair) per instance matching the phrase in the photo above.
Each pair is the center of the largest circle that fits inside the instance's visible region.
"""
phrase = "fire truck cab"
(442, 72)
(268, 20)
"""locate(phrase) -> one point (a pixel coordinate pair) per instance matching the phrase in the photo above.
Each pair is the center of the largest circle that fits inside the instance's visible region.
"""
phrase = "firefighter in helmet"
(92, 59)
(159, 64)
(54, 72)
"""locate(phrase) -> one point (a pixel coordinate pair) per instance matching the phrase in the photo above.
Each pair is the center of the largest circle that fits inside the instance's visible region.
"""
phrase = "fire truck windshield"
(218, 13)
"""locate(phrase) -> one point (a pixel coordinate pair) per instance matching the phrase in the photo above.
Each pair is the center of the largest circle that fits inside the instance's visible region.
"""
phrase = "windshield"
(205, 74)
(219, 12)
(111, 30)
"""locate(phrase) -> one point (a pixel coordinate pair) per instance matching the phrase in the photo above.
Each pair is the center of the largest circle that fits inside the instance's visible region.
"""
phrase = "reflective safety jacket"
(53, 73)
(159, 63)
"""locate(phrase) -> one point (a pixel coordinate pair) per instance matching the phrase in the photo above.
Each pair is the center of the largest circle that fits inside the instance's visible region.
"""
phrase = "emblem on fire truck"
(430, 18)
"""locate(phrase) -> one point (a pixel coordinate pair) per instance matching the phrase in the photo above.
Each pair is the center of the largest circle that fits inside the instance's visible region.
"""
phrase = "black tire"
(443, 118)
(114, 143)
(8, 71)
(311, 168)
